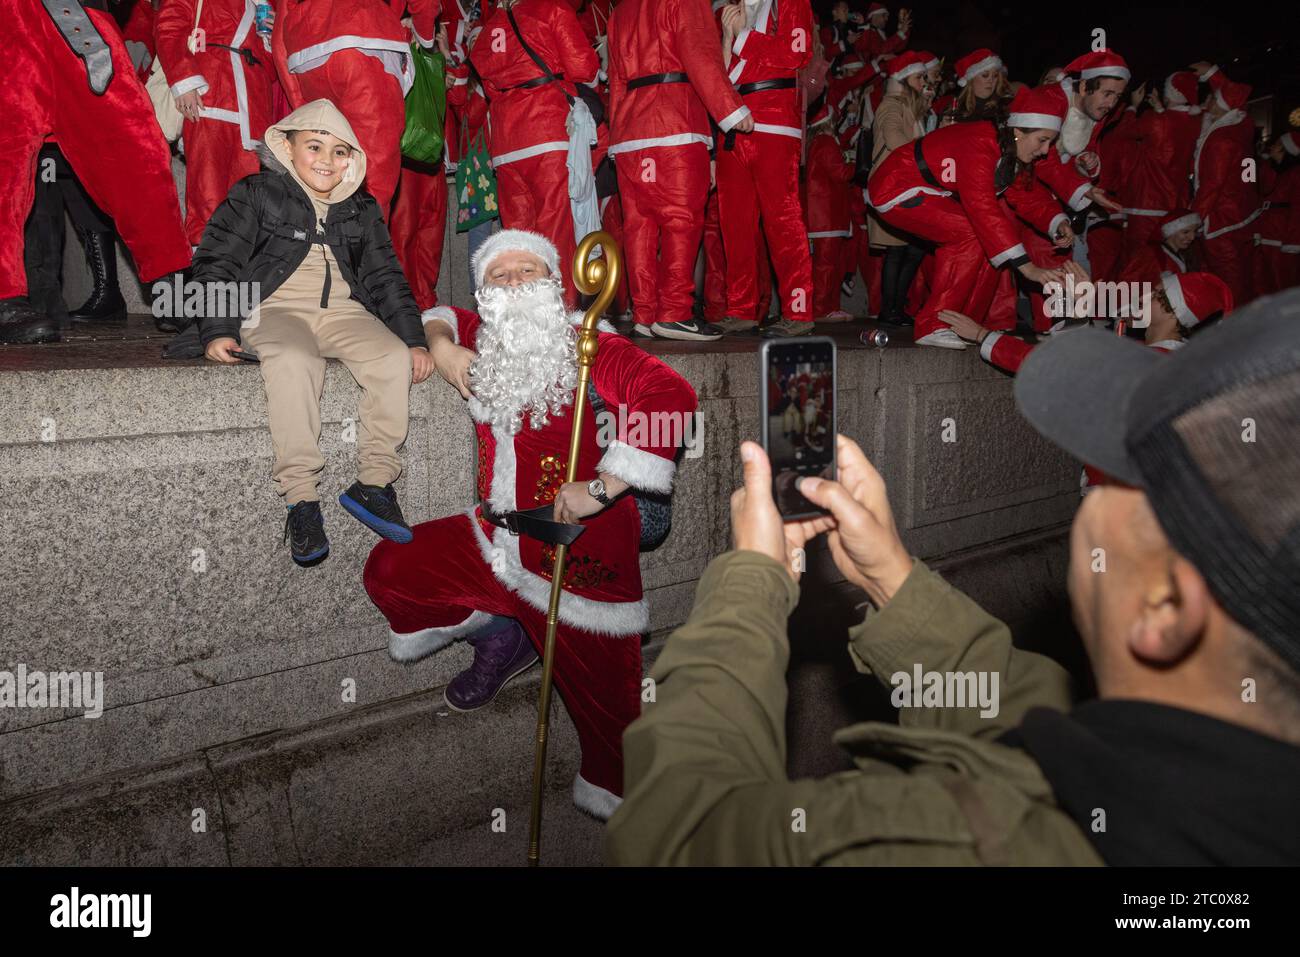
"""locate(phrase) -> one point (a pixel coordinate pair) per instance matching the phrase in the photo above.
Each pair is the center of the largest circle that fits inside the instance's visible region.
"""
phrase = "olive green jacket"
(706, 763)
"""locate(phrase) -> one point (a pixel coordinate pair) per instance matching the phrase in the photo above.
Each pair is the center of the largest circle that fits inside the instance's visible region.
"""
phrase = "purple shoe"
(498, 656)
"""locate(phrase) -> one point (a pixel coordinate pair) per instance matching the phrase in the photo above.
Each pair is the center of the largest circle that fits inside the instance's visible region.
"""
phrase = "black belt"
(244, 52)
(758, 86)
(533, 83)
(655, 78)
(538, 523)
(924, 169)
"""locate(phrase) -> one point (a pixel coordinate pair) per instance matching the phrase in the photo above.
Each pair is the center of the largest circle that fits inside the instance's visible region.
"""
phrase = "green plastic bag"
(426, 107)
(476, 187)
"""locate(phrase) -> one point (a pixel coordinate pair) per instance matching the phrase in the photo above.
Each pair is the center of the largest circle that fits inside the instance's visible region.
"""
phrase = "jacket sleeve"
(1034, 203)
(172, 31)
(660, 405)
(381, 276)
(1217, 155)
(578, 61)
(1064, 180)
(891, 129)
(699, 49)
(979, 200)
(789, 49)
(1005, 352)
(226, 249)
(457, 83)
(931, 624)
(423, 14)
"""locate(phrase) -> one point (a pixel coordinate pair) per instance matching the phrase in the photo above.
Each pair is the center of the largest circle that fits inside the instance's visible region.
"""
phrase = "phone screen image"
(799, 430)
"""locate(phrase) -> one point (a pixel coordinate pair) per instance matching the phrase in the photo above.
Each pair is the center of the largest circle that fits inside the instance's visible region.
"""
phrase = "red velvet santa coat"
(828, 187)
(602, 585)
(472, 104)
(1059, 172)
(1159, 160)
(139, 28)
(875, 43)
(1224, 202)
(307, 33)
(964, 158)
(46, 96)
(1146, 262)
(526, 123)
(774, 51)
(1277, 234)
(233, 92)
(667, 36)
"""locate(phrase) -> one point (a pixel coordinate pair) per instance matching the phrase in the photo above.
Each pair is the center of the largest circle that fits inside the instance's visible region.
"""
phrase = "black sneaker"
(377, 509)
(692, 330)
(304, 530)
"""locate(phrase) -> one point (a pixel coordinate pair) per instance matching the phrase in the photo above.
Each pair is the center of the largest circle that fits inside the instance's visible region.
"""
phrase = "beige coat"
(894, 126)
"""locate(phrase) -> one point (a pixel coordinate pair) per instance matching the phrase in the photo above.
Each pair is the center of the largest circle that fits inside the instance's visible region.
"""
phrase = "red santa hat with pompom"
(1196, 296)
(1095, 65)
(1232, 95)
(906, 64)
(975, 63)
(1038, 108)
(1176, 220)
(930, 59)
(875, 9)
(513, 240)
(1180, 88)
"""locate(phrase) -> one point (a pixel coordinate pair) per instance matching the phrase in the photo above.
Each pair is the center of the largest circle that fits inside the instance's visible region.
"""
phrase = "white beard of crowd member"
(527, 355)
(1076, 131)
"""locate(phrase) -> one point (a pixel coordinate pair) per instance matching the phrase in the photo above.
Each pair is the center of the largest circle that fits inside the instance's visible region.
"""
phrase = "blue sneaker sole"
(313, 558)
(394, 533)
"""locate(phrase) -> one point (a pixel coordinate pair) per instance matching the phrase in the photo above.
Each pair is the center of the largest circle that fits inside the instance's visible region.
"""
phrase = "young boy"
(329, 286)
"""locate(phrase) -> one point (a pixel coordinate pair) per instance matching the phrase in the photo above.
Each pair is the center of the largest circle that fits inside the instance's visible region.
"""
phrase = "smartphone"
(797, 410)
(244, 356)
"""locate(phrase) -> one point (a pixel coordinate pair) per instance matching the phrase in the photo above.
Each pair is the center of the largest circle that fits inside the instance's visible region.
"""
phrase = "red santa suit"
(527, 116)
(953, 201)
(1277, 231)
(1226, 204)
(758, 172)
(139, 29)
(460, 569)
(666, 79)
(236, 91)
(1149, 262)
(47, 94)
(358, 56)
(875, 42)
(829, 175)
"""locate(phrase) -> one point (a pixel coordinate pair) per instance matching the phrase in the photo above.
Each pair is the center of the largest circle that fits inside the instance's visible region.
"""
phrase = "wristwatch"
(596, 489)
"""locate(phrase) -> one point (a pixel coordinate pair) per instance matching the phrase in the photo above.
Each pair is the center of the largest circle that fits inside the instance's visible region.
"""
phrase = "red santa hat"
(1101, 63)
(931, 60)
(1038, 108)
(513, 240)
(1231, 95)
(823, 115)
(1177, 219)
(1180, 88)
(1290, 143)
(876, 8)
(907, 64)
(973, 64)
(1196, 296)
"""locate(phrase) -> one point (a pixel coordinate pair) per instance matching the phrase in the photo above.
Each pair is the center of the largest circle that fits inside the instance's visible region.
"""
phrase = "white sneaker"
(642, 331)
(839, 315)
(943, 338)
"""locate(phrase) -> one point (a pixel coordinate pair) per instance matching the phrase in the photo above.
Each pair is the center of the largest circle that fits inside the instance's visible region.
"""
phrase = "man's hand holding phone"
(863, 538)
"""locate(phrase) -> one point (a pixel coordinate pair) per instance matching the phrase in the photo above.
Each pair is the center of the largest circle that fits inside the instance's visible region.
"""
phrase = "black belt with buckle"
(758, 86)
(653, 79)
(538, 523)
(534, 82)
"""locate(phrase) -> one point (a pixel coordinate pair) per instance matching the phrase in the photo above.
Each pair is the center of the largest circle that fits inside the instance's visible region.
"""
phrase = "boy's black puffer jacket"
(262, 233)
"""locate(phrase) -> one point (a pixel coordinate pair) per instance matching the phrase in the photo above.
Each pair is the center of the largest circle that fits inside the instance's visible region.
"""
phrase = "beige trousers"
(294, 336)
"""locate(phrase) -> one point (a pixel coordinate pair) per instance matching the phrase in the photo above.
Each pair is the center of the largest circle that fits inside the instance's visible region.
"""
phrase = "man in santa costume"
(830, 169)
(357, 55)
(1166, 251)
(468, 576)
(765, 44)
(666, 80)
(1277, 231)
(875, 42)
(1225, 201)
(70, 80)
(528, 113)
(220, 73)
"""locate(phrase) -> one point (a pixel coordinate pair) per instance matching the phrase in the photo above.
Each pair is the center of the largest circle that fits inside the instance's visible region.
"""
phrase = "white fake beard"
(527, 355)
(1076, 131)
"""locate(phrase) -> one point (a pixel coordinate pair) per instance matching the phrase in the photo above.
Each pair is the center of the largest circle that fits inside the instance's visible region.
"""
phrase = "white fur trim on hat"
(514, 240)
(1174, 293)
(988, 63)
(1182, 222)
(1034, 121)
(1290, 144)
(912, 69)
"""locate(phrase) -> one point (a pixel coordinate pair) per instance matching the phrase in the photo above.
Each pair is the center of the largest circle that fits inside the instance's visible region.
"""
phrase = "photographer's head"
(1185, 572)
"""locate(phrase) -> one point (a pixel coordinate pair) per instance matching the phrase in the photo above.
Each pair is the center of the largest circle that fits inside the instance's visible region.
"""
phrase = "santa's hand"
(963, 325)
(1064, 236)
(573, 503)
(189, 104)
(1088, 163)
(757, 526)
(453, 362)
(1101, 199)
(421, 364)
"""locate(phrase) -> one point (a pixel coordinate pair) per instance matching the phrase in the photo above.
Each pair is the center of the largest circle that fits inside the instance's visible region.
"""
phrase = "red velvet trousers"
(533, 194)
(440, 578)
(418, 224)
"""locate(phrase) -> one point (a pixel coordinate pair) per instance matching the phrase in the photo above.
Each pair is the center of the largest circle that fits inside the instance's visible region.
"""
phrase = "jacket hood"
(317, 115)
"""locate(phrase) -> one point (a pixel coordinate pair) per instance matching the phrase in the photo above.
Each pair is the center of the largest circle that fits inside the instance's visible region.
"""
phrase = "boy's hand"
(453, 362)
(421, 364)
(218, 350)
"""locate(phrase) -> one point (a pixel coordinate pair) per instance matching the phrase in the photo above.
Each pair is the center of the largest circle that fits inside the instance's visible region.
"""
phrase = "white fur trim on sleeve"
(1055, 224)
(727, 122)
(196, 82)
(986, 347)
(638, 468)
(442, 314)
(1080, 198)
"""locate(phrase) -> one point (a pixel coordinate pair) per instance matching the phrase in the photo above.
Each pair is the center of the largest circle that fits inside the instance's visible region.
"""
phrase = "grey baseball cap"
(1211, 432)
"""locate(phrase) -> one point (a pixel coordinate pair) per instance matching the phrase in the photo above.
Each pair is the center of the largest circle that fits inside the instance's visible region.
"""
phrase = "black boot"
(105, 303)
(889, 270)
(20, 323)
(910, 262)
